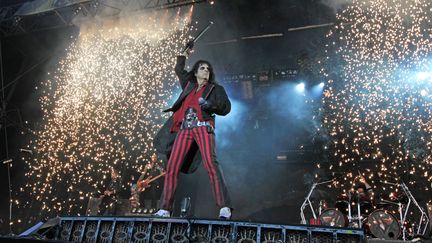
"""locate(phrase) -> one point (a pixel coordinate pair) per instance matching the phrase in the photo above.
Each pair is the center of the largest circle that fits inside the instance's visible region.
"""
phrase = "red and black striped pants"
(206, 145)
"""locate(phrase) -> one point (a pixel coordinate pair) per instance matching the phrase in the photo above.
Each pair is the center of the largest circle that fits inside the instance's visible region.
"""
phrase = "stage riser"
(156, 230)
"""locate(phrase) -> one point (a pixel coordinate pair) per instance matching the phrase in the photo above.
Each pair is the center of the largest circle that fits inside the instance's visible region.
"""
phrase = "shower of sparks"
(377, 100)
(102, 107)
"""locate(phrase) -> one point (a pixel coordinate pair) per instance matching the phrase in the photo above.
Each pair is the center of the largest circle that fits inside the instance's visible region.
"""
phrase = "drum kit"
(356, 210)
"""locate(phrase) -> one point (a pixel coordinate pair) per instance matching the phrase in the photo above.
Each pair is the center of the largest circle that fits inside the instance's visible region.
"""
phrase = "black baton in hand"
(191, 43)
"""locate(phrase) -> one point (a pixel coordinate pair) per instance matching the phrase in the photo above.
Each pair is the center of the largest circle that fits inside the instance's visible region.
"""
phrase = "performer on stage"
(149, 187)
(189, 133)
(360, 192)
(363, 188)
(363, 195)
(109, 196)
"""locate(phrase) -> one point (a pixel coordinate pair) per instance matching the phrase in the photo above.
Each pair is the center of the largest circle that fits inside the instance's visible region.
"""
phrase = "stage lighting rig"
(263, 76)
(39, 15)
(284, 74)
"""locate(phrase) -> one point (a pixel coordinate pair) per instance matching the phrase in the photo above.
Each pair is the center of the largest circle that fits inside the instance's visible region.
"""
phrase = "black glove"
(188, 48)
(205, 104)
(190, 45)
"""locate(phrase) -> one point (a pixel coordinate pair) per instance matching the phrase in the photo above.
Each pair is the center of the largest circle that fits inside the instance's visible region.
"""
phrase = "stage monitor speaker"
(49, 228)
(41, 230)
(93, 206)
(123, 207)
(31, 230)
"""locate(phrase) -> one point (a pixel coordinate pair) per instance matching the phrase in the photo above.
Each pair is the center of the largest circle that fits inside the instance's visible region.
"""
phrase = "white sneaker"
(225, 213)
(162, 213)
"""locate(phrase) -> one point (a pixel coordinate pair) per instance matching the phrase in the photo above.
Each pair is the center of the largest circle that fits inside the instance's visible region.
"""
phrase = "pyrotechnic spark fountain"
(102, 107)
(374, 107)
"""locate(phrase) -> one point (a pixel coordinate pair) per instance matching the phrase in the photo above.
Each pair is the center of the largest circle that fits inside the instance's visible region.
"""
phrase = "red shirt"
(190, 101)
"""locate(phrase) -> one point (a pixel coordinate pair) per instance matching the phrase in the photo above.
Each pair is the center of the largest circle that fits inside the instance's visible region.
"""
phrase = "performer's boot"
(163, 213)
(225, 213)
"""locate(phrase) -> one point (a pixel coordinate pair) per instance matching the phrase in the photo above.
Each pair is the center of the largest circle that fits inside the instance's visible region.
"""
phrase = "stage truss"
(40, 15)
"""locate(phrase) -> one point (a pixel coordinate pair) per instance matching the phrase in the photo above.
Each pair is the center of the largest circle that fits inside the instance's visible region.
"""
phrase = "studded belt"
(195, 123)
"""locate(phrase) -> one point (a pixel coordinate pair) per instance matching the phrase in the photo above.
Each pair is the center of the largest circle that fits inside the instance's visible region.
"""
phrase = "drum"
(382, 224)
(366, 205)
(333, 217)
(356, 224)
(342, 203)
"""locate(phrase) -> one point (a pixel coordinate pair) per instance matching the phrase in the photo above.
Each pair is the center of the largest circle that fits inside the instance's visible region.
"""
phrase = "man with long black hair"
(110, 195)
(188, 136)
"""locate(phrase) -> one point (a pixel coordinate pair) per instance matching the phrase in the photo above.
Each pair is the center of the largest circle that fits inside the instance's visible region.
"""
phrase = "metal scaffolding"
(39, 15)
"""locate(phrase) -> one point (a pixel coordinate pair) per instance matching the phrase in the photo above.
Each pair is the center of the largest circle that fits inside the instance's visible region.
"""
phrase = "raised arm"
(181, 73)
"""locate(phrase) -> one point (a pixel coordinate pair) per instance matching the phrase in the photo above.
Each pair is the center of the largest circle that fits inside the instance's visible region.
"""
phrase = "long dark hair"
(360, 186)
(195, 70)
